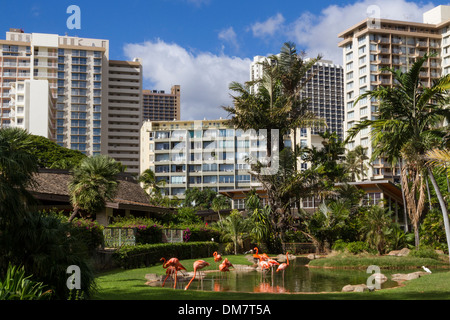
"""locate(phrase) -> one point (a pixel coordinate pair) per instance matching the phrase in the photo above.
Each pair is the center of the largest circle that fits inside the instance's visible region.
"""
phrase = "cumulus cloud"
(268, 27)
(204, 77)
(318, 33)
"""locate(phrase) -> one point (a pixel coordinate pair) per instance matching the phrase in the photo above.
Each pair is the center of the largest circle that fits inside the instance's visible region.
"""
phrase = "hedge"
(130, 257)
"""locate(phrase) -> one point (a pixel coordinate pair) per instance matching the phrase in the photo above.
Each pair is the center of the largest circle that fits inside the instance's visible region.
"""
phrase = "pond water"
(297, 278)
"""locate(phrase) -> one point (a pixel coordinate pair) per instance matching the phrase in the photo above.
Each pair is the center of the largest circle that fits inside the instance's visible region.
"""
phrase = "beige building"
(162, 106)
(123, 117)
(372, 45)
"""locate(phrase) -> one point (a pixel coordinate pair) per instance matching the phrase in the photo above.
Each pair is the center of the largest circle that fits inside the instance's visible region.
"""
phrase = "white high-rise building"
(94, 95)
(33, 107)
(371, 45)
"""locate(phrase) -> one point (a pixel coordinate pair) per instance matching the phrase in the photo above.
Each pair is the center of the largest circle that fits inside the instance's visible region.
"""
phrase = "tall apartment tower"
(73, 68)
(325, 93)
(372, 45)
(162, 106)
(123, 117)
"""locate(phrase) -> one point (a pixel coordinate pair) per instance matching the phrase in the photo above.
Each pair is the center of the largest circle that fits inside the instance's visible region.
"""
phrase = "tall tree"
(17, 167)
(93, 183)
(407, 126)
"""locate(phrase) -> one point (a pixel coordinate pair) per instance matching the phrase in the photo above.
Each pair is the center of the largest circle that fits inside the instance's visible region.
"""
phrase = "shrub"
(357, 247)
(129, 257)
(339, 245)
(424, 252)
(89, 232)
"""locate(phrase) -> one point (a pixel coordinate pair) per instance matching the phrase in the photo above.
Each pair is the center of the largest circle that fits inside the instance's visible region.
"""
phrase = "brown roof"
(53, 184)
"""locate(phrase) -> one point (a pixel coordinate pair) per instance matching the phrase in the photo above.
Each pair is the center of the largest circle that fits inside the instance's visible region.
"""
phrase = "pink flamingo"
(171, 271)
(199, 264)
(284, 266)
(174, 262)
(217, 257)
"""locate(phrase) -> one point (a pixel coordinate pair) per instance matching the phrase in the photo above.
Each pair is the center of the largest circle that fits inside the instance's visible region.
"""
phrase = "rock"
(282, 258)
(439, 251)
(408, 276)
(355, 288)
(380, 278)
(404, 252)
(399, 253)
(243, 268)
(311, 256)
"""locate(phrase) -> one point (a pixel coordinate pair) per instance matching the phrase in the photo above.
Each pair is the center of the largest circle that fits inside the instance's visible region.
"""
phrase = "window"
(226, 179)
(350, 115)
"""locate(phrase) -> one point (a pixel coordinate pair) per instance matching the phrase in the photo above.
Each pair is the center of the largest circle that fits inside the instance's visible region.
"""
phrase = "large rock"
(408, 276)
(355, 288)
(399, 253)
(282, 258)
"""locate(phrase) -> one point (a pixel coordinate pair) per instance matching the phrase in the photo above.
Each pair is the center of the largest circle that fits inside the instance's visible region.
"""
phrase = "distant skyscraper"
(161, 106)
(123, 117)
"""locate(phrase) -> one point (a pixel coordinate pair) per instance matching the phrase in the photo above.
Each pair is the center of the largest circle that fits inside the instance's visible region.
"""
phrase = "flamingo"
(225, 265)
(217, 257)
(199, 264)
(174, 262)
(171, 270)
(256, 255)
(284, 266)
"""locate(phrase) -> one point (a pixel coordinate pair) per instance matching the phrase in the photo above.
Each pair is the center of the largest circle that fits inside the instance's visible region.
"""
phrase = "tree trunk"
(74, 214)
(428, 192)
(405, 212)
(443, 207)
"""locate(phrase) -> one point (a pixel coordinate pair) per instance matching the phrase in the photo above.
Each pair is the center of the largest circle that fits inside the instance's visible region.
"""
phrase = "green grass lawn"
(130, 285)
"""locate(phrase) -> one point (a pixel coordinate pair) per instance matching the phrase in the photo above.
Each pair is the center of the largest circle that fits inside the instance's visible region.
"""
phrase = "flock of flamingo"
(173, 265)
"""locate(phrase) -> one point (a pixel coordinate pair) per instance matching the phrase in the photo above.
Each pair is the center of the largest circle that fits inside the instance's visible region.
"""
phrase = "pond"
(297, 278)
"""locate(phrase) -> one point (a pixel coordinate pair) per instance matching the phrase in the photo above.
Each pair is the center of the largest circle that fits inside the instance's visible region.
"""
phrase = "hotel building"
(122, 120)
(98, 101)
(372, 45)
(162, 106)
(202, 154)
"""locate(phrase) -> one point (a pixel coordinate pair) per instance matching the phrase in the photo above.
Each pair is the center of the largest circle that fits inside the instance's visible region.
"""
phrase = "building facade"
(123, 118)
(202, 154)
(33, 107)
(162, 106)
(369, 47)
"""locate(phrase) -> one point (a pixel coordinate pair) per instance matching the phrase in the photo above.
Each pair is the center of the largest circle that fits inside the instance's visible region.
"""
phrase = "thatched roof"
(52, 185)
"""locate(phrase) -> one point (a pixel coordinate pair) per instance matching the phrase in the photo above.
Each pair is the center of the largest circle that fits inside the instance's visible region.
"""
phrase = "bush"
(89, 232)
(129, 257)
(339, 245)
(425, 252)
(357, 247)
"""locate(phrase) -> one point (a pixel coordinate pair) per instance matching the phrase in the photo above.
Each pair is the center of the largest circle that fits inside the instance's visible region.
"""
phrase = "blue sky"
(203, 45)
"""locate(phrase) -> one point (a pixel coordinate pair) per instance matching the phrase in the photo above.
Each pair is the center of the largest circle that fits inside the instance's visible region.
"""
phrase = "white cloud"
(268, 27)
(318, 33)
(228, 35)
(204, 77)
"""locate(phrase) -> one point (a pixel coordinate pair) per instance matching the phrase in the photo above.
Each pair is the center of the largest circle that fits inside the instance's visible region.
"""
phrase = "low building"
(51, 192)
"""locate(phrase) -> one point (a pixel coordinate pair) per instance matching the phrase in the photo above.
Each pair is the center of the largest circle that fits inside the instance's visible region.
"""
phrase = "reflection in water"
(297, 278)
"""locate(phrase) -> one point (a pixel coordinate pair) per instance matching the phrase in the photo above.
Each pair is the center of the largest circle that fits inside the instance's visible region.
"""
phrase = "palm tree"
(149, 181)
(93, 183)
(361, 157)
(377, 226)
(17, 167)
(234, 228)
(407, 126)
(220, 203)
